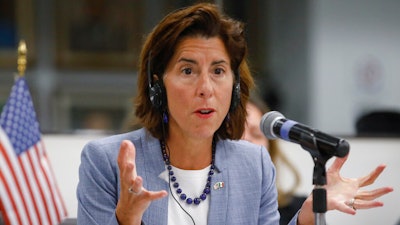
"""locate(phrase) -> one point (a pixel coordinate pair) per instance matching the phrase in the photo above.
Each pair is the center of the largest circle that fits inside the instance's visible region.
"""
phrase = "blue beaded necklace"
(175, 184)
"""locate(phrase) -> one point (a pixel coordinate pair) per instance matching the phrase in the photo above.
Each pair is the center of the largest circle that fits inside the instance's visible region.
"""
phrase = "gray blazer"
(249, 195)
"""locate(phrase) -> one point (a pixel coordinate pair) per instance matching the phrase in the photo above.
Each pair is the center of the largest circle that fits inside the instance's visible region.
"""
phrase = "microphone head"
(342, 149)
(267, 123)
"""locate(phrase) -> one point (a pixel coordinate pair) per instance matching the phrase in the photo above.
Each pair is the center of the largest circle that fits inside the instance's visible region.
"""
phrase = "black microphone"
(274, 125)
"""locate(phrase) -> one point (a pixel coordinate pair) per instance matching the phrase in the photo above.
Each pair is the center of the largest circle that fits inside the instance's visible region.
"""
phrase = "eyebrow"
(219, 62)
(195, 62)
(187, 60)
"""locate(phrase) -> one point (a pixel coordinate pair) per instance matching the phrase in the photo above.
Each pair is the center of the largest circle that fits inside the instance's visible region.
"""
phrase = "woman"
(192, 89)
(288, 202)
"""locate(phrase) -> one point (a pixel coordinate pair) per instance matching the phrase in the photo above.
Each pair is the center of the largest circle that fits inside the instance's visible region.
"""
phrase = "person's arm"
(269, 213)
(97, 188)
(100, 172)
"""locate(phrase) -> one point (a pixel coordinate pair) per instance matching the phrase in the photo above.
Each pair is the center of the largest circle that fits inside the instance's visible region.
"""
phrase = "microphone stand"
(319, 192)
(319, 179)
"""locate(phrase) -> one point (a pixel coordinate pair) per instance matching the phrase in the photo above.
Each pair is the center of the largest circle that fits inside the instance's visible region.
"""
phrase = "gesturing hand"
(134, 198)
(346, 195)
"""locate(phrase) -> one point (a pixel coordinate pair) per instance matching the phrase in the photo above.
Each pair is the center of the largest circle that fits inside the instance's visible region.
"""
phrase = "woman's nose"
(205, 85)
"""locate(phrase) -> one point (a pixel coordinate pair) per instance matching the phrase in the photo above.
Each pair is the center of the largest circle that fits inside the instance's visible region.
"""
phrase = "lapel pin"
(219, 185)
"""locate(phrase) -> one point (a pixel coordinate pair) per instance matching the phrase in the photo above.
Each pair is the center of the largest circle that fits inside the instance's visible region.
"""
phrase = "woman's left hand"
(345, 194)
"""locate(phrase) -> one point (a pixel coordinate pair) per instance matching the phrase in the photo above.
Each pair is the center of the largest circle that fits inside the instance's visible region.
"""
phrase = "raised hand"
(345, 194)
(134, 198)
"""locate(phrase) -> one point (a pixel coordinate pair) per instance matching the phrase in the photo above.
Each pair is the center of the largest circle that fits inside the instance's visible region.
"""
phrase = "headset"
(235, 93)
(157, 90)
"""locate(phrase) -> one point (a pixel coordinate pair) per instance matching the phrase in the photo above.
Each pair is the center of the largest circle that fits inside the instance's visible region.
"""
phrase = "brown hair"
(204, 20)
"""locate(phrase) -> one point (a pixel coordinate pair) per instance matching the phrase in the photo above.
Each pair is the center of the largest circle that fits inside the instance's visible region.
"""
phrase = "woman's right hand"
(134, 198)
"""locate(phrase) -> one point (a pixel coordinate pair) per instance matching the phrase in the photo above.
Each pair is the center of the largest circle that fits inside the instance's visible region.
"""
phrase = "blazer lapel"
(157, 212)
(219, 189)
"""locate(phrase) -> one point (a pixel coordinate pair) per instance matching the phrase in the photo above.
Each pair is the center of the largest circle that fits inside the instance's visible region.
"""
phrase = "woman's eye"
(219, 71)
(187, 71)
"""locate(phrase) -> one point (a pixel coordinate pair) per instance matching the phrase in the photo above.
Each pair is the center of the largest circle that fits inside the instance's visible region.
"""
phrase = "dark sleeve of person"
(291, 209)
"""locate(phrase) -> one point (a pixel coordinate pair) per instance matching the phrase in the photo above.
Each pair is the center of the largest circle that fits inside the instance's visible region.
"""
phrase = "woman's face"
(252, 131)
(198, 81)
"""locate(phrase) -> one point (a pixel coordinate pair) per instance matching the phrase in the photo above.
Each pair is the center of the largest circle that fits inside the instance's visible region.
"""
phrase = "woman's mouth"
(205, 111)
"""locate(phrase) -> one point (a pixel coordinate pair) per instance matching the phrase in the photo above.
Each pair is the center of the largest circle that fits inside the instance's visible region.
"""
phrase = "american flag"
(28, 190)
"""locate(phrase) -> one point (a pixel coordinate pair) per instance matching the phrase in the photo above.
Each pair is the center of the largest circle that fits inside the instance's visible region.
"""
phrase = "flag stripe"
(12, 208)
(35, 190)
(37, 184)
(33, 210)
(6, 220)
(12, 184)
(55, 192)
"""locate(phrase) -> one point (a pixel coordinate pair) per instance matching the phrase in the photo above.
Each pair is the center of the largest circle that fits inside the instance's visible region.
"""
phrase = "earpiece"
(156, 92)
(235, 93)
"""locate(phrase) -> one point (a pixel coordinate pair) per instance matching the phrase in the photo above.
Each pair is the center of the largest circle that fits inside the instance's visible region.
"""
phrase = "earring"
(165, 117)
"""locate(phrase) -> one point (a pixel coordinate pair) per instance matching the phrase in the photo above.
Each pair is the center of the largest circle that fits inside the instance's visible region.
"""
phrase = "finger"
(346, 209)
(370, 178)
(371, 195)
(121, 157)
(362, 204)
(338, 163)
(131, 156)
(154, 195)
(123, 154)
(126, 163)
(137, 187)
(142, 194)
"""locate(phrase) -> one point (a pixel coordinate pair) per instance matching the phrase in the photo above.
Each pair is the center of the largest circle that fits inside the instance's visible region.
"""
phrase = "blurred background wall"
(323, 63)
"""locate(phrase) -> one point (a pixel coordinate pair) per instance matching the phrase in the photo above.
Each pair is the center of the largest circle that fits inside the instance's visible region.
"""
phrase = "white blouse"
(192, 183)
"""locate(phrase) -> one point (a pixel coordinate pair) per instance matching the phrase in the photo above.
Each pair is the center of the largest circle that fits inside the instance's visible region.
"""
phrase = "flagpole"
(22, 53)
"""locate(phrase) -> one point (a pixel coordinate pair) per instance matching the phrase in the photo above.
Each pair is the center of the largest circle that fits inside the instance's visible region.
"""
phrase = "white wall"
(330, 61)
(354, 61)
(64, 154)
(365, 155)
